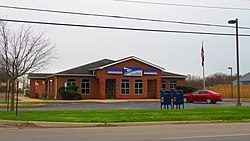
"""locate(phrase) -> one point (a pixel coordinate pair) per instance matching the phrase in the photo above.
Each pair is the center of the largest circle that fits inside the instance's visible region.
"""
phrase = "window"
(138, 86)
(85, 87)
(125, 86)
(163, 84)
(71, 82)
(195, 92)
(203, 92)
(173, 85)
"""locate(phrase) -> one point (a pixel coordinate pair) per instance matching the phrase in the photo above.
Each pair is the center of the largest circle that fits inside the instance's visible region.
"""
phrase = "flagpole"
(204, 82)
(203, 67)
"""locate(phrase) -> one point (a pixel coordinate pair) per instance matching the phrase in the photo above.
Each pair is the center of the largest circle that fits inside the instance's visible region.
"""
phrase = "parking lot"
(121, 105)
(84, 105)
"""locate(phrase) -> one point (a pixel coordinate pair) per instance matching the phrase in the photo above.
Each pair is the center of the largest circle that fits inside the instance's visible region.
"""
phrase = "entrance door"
(110, 88)
(152, 89)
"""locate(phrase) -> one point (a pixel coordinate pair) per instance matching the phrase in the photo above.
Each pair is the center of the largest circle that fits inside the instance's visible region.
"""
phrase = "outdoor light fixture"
(237, 57)
(36, 83)
(232, 21)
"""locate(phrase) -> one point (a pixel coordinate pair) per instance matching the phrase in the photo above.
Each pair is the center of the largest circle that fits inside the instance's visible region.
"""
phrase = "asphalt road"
(124, 105)
(181, 132)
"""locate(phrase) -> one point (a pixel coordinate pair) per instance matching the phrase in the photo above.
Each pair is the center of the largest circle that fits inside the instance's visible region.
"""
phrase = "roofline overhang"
(174, 77)
(38, 77)
(126, 59)
(72, 75)
(85, 75)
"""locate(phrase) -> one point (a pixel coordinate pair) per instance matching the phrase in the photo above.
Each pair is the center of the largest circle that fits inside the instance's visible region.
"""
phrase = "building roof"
(172, 75)
(87, 69)
(39, 75)
(245, 77)
(129, 58)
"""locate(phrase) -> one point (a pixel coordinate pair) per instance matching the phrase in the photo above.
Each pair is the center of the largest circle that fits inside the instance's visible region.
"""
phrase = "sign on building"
(132, 71)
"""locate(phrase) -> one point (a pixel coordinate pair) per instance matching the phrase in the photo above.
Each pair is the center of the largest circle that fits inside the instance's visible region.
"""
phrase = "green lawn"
(229, 114)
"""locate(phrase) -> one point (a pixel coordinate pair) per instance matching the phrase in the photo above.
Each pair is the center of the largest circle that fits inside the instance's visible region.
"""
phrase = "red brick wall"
(180, 82)
(94, 93)
(37, 86)
(151, 83)
(102, 75)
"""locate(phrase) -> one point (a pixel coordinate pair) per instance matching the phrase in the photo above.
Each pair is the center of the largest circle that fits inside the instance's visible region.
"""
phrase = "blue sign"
(150, 72)
(132, 71)
(114, 71)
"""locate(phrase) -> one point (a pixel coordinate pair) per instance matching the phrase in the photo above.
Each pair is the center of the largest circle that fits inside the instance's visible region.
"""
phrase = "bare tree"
(23, 52)
(211, 80)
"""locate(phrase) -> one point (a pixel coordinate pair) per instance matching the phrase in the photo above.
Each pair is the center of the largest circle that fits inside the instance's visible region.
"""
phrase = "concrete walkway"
(32, 100)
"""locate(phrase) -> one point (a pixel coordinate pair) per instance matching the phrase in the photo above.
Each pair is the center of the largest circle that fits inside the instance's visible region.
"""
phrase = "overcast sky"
(178, 53)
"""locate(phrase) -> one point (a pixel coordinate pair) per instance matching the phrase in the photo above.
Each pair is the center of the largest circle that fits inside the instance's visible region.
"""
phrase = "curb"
(41, 124)
(38, 124)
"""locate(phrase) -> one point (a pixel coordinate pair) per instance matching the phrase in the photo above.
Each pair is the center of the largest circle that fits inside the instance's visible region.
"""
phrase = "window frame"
(163, 82)
(125, 88)
(85, 88)
(138, 88)
(172, 84)
(71, 82)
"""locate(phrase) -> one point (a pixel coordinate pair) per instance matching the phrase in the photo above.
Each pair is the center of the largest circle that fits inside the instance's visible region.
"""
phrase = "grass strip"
(229, 114)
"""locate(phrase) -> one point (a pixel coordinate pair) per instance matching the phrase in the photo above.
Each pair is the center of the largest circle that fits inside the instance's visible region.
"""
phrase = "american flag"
(202, 56)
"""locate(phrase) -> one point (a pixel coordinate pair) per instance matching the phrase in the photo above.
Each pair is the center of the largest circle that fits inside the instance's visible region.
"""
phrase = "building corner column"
(158, 88)
(102, 85)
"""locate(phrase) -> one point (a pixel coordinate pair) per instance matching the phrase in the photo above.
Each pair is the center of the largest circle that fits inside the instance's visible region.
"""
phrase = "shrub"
(72, 87)
(186, 88)
(70, 93)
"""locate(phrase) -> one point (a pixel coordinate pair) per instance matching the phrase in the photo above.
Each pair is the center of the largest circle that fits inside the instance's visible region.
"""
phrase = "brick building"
(128, 78)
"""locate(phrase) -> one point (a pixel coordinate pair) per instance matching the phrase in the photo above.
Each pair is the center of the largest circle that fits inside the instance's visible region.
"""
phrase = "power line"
(186, 5)
(124, 28)
(119, 17)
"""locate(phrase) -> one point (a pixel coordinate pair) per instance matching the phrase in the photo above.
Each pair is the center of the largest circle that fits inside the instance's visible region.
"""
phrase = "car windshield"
(212, 92)
(195, 92)
(198, 92)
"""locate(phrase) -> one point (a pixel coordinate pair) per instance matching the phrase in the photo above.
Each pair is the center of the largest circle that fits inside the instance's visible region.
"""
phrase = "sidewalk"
(33, 100)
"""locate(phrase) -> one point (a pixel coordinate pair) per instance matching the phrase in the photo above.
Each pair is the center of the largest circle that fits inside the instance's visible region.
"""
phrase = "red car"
(203, 95)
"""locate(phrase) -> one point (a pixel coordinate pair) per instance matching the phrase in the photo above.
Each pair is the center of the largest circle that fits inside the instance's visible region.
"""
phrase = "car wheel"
(208, 100)
(185, 100)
